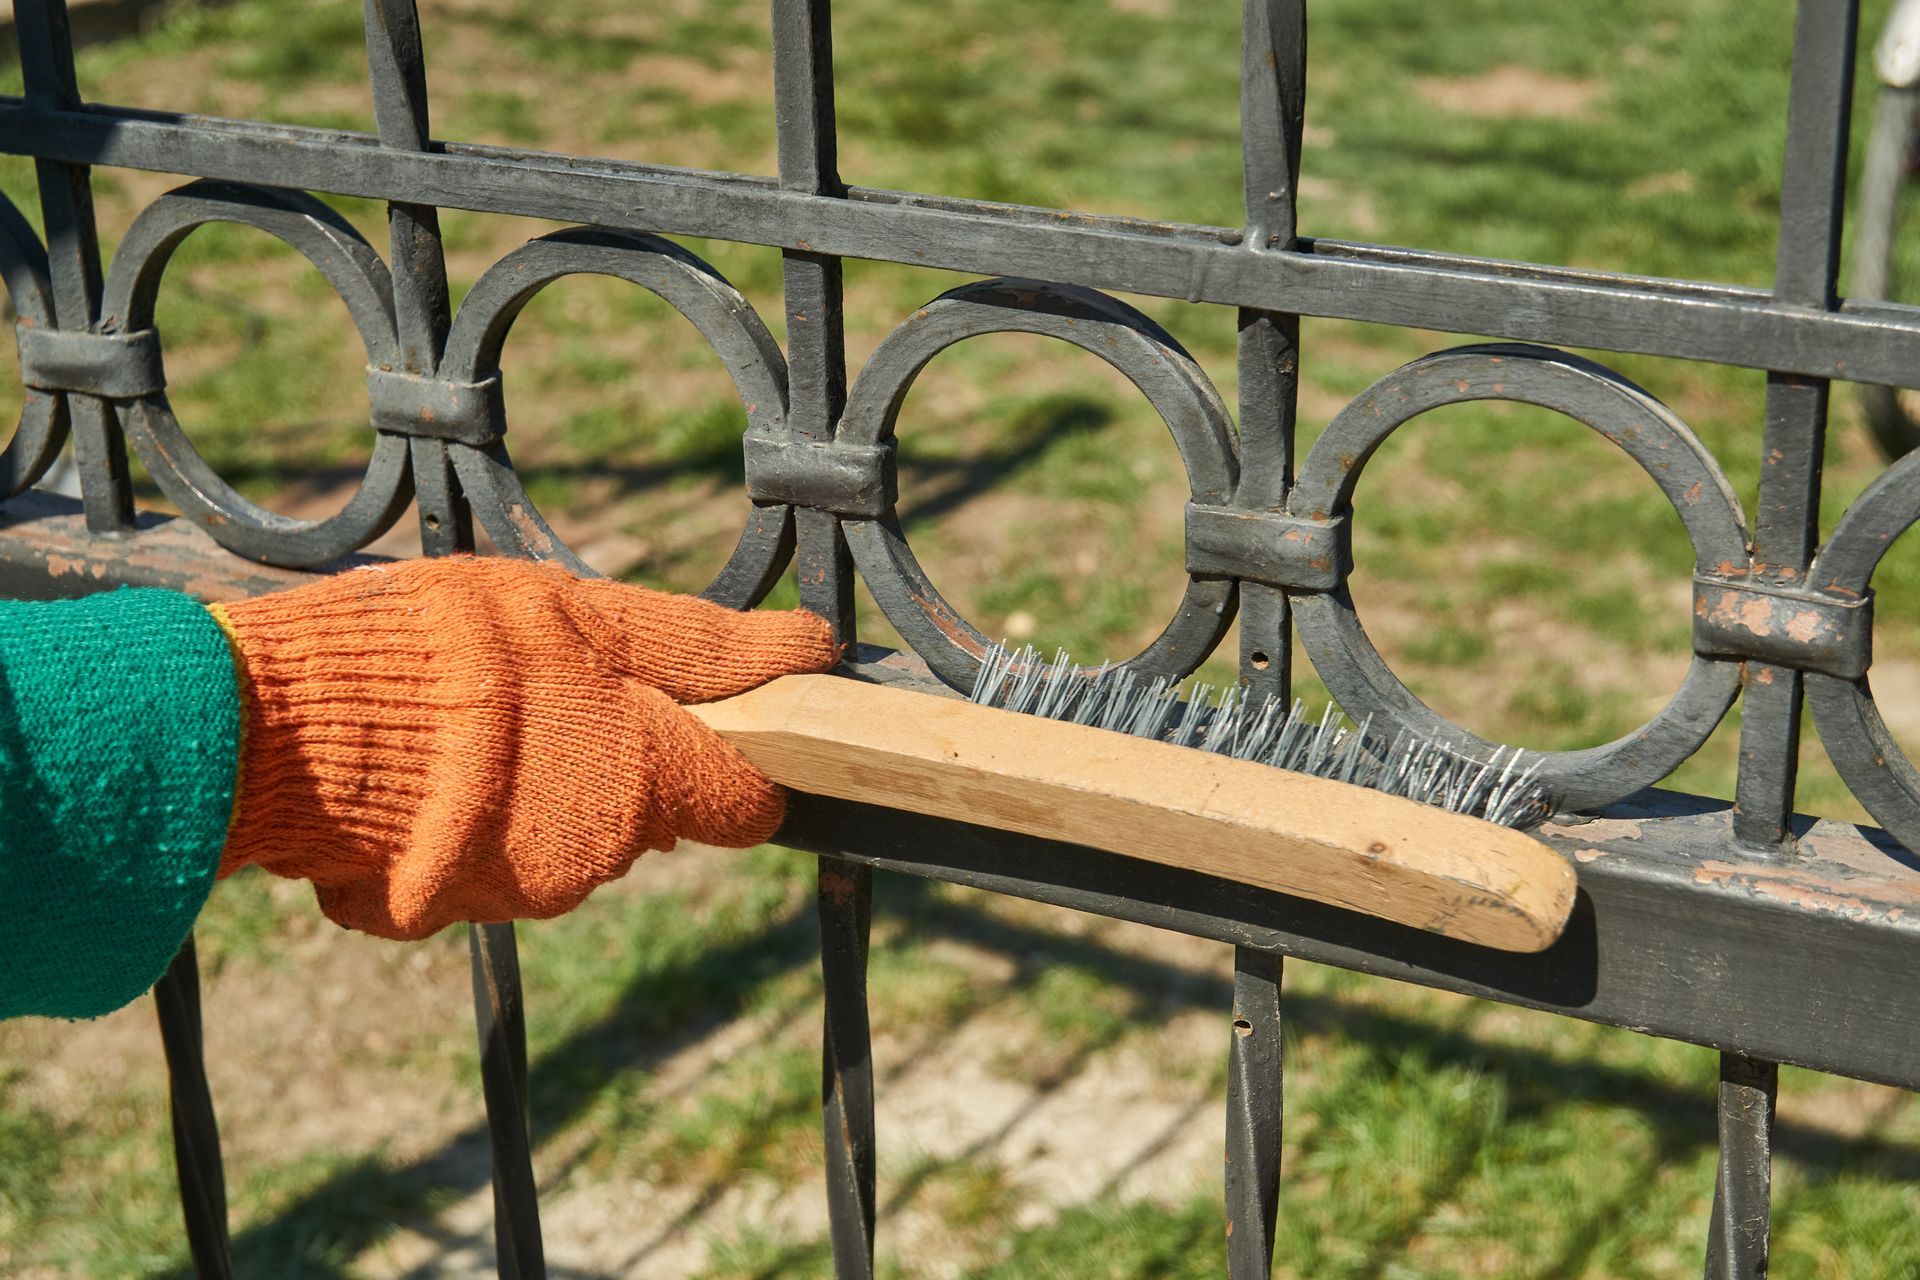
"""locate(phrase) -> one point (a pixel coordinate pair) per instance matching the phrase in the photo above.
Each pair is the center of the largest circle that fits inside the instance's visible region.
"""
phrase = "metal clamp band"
(856, 480)
(115, 366)
(1785, 626)
(1269, 547)
(406, 404)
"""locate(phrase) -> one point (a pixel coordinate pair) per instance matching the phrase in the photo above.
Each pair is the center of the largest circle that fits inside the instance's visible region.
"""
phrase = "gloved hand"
(487, 739)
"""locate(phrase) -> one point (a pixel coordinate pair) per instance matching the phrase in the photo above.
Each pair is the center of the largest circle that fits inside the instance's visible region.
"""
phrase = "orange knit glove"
(488, 739)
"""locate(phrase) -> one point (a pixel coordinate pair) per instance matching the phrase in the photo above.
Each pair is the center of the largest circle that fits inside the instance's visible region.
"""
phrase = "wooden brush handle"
(1327, 841)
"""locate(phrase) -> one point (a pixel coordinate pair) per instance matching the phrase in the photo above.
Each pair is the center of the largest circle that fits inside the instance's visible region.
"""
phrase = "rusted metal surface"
(46, 552)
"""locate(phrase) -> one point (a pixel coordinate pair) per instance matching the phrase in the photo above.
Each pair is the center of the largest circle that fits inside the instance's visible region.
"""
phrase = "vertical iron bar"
(73, 260)
(1254, 1111)
(501, 1024)
(1273, 72)
(1273, 67)
(846, 1079)
(1786, 531)
(1737, 1234)
(1786, 523)
(817, 372)
(423, 311)
(196, 1133)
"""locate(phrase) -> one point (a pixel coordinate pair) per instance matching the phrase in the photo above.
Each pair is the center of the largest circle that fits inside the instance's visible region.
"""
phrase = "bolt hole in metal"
(1478, 614)
(625, 430)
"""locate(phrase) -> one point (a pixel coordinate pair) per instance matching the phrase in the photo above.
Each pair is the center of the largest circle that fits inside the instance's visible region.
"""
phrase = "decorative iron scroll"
(1303, 548)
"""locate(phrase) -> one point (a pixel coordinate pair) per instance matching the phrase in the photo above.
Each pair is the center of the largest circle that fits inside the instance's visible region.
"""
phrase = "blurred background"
(674, 1019)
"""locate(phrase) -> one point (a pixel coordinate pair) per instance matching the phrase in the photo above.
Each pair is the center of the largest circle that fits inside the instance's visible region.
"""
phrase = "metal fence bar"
(423, 313)
(1786, 521)
(1786, 531)
(817, 392)
(423, 310)
(1254, 1114)
(1742, 1192)
(73, 258)
(196, 1133)
(1273, 64)
(502, 1029)
(1452, 293)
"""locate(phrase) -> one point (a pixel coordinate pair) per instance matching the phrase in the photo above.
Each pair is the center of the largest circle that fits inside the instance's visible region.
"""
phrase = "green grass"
(1427, 1137)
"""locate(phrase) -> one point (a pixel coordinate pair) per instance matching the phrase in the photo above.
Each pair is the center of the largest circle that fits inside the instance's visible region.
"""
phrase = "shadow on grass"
(322, 1230)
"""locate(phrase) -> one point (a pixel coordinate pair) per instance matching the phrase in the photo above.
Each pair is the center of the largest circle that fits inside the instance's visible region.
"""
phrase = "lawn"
(674, 1019)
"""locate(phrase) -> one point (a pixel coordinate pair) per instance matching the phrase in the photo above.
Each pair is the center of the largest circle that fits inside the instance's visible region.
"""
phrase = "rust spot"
(1378, 846)
(536, 538)
(1804, 625)
(426, 415)
(1728, 569)
(1756, 616)
(803, 245)
(838, 886)
(947, 622)
(1761, 673)
(1293, 535)
(1588, 855)
(1793, 892)
(1692, 493)
(1460, 385)
(1499, 388)
(1598, 829)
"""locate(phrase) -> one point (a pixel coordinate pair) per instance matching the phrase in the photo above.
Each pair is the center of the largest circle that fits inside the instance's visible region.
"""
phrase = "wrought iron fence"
(1769, 938)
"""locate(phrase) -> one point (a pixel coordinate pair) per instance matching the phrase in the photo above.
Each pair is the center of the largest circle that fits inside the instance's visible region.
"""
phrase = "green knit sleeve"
(119, 739)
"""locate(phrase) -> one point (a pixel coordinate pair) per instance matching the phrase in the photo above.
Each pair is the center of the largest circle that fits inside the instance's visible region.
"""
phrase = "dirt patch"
(1677, 182)
(1512, 92)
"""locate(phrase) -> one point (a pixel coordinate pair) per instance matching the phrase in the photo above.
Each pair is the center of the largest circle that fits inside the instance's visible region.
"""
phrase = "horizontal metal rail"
(1686, 320)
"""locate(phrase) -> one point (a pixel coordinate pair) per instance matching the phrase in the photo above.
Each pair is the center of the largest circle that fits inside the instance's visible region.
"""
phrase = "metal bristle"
(1503, 788)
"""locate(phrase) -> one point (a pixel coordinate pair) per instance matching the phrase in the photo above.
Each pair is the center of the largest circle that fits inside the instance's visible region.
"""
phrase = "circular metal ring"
(356, 273)
(1596, 397)
(1126, 339)
(1857, 740)
(42, 428)
(725, 319)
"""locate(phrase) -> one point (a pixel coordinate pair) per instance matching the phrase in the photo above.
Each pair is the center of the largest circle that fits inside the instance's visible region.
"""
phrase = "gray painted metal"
(1686, 906)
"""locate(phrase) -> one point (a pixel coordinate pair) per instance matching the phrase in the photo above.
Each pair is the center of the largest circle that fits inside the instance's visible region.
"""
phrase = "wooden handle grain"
(1327, 841)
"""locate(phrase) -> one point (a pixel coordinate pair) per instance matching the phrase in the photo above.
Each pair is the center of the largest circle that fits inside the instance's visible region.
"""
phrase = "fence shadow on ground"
(322, 1231)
